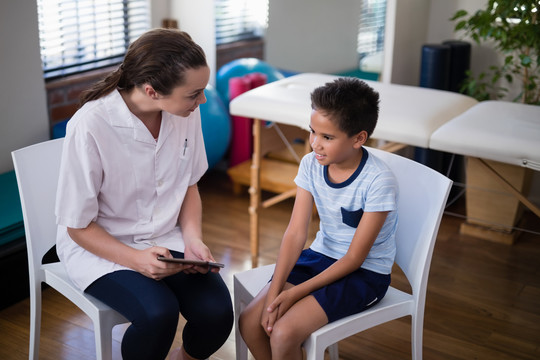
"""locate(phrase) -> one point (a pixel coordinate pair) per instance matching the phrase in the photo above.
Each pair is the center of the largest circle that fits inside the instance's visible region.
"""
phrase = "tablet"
(191, 262)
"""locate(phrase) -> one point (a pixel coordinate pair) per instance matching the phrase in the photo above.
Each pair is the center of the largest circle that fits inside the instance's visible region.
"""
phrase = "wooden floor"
(483, 298)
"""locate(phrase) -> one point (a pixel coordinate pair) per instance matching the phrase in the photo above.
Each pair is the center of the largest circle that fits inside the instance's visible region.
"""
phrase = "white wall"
(23, 108)
(321, 36)
(159, 10)
(410, 33)
(312, 35)
(197, 19)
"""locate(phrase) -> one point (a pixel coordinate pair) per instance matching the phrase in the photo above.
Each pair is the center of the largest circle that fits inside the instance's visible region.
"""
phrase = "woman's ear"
(150, 92)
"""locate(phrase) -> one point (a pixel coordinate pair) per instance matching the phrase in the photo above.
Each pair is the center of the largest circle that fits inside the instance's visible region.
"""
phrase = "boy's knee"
(284, 336)
(248, 323)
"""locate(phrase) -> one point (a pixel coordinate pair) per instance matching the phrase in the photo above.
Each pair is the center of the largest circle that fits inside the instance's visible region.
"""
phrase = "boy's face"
(330, 144)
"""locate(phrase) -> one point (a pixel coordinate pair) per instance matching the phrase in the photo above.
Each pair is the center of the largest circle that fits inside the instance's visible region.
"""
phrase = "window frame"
(77, 36)
(240, 20)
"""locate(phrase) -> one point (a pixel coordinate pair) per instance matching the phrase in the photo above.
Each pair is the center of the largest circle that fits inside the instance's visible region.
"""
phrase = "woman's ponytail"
(102, 87)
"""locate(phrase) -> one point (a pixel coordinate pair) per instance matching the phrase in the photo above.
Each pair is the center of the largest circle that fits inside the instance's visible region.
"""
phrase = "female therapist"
(127, 193)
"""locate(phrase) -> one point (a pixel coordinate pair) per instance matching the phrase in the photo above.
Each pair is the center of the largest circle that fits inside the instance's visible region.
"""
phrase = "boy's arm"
(292, 245)
(293, 241)
(363, 239)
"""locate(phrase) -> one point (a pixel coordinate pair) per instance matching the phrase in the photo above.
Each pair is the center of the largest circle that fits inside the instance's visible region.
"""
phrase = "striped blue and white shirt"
(371, 188)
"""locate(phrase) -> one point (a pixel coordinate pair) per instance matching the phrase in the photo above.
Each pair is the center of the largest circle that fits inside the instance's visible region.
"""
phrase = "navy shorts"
(349, 295)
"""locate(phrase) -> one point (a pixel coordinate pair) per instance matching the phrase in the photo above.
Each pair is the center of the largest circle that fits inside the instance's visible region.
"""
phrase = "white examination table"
(408, 115)
(494, 131)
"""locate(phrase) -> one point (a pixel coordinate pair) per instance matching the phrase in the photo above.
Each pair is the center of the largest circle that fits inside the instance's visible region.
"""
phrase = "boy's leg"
(250, 327)
(295, 326)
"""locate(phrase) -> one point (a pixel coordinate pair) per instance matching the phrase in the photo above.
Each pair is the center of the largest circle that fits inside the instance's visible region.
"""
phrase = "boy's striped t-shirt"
(371, 188)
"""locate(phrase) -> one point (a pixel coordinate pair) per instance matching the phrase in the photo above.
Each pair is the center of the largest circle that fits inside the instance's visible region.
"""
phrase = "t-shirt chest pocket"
(351, 218)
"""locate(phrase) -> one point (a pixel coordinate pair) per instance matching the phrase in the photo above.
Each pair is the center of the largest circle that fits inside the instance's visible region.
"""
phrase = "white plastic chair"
(422, 197)
(37, 169)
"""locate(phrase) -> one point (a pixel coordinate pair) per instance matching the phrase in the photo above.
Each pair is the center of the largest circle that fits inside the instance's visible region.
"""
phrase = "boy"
(347, 267)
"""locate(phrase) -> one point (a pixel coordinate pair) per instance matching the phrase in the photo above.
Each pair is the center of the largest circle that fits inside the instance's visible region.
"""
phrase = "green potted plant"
(512, 28)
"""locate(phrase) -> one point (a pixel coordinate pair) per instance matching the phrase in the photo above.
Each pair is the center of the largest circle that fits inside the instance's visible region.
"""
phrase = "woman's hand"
(196, 250)
(146, 263)
(96, 240)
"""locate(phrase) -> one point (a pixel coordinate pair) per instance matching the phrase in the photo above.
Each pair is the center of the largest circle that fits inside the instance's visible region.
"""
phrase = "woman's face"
(184, 99)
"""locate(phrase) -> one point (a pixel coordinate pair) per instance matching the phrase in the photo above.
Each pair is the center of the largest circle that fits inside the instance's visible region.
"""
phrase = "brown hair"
(159, 57)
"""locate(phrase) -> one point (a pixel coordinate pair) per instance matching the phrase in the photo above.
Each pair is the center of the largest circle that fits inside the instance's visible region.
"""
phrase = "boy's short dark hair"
(350, 102)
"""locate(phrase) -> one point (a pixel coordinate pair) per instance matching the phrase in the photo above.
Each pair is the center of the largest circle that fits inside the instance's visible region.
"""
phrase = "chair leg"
(103, 338)
(417, 326)
(35, 321)
(314, 349)
(333, 351)
(241, 347)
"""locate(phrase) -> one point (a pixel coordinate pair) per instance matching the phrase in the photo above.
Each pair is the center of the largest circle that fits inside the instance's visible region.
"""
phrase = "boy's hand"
(268, 318)
(277, 308)
(282, 303)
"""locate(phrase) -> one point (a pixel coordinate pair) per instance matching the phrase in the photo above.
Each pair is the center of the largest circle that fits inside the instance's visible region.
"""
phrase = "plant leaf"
(460, 25)
(458, 14)
(525, 60)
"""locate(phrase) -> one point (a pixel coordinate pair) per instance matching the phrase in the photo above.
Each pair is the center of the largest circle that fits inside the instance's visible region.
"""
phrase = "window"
(82, 35)
(240, 20)
(371, 30)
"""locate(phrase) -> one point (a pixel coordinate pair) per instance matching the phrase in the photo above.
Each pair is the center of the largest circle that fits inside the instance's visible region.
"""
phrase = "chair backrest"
(422, 198)
(37, 168)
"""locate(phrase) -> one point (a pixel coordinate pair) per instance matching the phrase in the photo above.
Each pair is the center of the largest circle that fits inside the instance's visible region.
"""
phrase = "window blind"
(81, 35)
(371, 29)
(240, 20)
